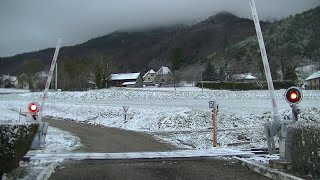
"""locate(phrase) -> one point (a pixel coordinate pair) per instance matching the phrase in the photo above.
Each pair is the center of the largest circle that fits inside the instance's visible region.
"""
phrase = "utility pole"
(56, 78)
(201, 83)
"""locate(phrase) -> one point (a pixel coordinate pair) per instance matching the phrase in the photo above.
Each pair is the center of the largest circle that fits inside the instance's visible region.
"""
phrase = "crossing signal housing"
(293, 95)
(33, 107)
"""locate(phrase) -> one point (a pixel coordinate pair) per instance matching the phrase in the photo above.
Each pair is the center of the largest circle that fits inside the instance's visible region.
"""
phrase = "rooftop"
(151, 71)
(124, 76)
(163, 70)
(314, 76)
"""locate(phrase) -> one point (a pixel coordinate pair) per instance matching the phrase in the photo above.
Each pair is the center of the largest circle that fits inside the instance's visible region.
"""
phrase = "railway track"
(185, 154)
(259, 151)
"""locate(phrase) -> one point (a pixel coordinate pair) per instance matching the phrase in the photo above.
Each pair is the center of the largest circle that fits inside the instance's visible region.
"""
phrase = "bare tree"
(260, 84)
(191, 73)
(102, 69)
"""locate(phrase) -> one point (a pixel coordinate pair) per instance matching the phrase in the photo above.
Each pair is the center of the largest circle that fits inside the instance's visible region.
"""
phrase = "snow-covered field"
(12, 90)
(181, 116)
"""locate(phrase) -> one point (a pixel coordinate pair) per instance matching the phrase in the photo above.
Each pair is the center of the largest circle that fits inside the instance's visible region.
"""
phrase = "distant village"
(160, 78)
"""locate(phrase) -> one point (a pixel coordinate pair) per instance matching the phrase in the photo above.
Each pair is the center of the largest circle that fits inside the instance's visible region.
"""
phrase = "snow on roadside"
(59, 141)
(56, 141)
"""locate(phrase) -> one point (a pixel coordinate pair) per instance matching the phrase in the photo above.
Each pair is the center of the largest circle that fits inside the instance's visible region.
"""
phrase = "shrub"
(15, 142)
(245, 85)
(305, 148)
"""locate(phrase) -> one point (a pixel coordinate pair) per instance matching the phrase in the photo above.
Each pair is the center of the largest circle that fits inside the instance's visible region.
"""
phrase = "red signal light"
(33, 107)
(293, 95)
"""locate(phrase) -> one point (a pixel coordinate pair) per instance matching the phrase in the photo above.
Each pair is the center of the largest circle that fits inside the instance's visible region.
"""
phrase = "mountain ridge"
(141, 49)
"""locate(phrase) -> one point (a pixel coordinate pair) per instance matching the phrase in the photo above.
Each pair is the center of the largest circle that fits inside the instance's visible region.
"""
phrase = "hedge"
(245, 85)
(15, 142)
(304, 140)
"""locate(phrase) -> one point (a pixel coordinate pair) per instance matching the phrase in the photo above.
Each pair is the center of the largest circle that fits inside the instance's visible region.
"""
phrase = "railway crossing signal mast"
(271, 127)
(293, 95)
(32, 115)
(45, 92)
(35, 110)
(276, 127)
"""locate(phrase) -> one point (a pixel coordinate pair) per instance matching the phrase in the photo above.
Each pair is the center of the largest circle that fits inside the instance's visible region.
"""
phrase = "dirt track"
(102, 139)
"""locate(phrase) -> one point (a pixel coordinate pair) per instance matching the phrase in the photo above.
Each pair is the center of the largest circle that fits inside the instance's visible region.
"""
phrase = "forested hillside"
(290, 43)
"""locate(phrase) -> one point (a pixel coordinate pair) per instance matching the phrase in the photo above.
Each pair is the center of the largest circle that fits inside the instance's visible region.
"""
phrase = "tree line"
(81, 73)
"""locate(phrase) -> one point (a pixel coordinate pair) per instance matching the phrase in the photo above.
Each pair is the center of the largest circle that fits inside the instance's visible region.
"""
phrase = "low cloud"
(36, 24)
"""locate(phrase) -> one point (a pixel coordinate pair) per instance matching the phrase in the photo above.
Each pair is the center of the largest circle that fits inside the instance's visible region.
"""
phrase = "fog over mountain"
(36, 24)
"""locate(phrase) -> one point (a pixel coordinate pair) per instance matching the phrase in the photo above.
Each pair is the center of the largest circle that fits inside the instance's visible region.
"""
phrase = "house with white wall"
(313, 81)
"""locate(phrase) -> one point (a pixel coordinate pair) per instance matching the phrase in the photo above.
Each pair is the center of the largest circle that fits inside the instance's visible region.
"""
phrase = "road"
(102, 139)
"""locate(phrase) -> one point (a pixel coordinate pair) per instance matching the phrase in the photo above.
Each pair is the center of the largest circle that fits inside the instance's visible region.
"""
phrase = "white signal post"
(45, 92)
(56, 78)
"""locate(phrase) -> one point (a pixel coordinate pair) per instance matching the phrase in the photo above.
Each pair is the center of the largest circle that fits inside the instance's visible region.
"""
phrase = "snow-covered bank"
(59, 141)
(56, 141)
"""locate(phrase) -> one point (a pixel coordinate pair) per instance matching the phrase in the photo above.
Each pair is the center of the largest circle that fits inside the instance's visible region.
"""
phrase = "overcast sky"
(31, 25)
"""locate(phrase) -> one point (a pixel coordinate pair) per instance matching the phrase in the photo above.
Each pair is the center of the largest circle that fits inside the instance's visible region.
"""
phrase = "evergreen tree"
(209, 73)
(222, 74)
(98, 76)
(290, 74)
(177, 59)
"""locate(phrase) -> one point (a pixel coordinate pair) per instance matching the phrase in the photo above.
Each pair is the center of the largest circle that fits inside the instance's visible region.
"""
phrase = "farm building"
(126, 80)
(163, 76)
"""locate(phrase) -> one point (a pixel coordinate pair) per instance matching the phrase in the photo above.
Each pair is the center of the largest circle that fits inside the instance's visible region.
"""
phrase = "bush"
(245, 85)
(304, 140)
(15, 142)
